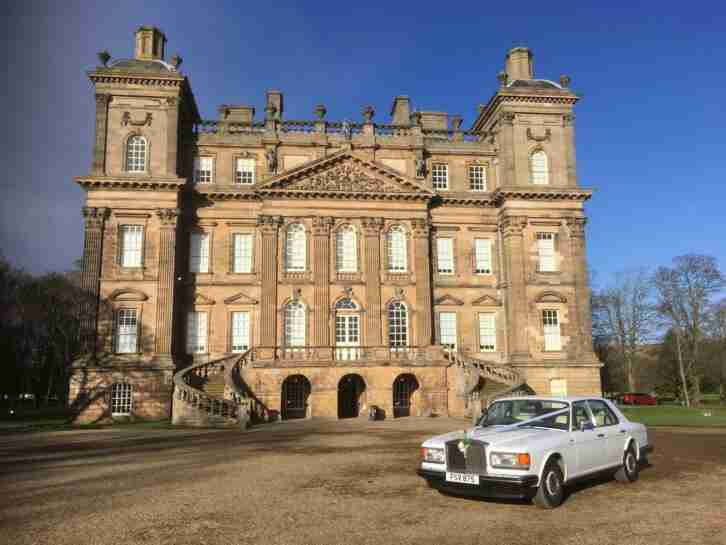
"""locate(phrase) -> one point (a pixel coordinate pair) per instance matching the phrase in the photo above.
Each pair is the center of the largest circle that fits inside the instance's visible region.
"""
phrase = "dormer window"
(136, 149)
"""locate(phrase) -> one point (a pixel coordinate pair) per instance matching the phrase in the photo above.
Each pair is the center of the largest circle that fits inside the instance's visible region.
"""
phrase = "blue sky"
(650, 128)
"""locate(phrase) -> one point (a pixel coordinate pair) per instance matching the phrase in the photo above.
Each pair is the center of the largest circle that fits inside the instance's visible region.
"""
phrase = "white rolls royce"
(532, 447)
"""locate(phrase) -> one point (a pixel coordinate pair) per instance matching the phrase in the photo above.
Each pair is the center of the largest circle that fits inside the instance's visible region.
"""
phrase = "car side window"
(602, 414)
(579, 414)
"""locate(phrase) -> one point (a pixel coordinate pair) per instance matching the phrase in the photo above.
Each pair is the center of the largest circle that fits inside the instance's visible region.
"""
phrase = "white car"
(531, 447)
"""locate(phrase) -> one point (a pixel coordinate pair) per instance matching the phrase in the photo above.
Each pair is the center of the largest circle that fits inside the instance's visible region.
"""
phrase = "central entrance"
(403, 389)
(295, 393)
(351, 390)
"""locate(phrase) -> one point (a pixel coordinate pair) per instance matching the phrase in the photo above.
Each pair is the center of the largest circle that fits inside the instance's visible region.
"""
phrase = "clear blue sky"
(650, 129)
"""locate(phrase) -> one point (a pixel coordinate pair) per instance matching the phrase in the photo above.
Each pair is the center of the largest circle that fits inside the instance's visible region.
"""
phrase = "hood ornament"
(464, 444)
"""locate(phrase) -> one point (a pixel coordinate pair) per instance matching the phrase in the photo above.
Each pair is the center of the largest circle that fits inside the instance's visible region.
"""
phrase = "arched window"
(121, 399)
(136, 154)
(396, 242)
(346, 304)
(295, 248)
(539, 166)
(397, 325)
(294, 324)
(346, 249)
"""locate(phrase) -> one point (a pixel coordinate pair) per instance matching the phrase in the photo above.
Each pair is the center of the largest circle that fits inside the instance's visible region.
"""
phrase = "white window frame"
(295, 248)
(440, 176)
(131, 246)
(539, 167)
(240, 334)
(199, 253)
(397, 249)
(127, 331)
(242, 251)
(121, 400)
(551, 330)
(448, 329)
(204, 169)
(445, 262)
(244, 171)
(478, 177)
(137, 150)
(346, 249)
(547, 258)
(295, 324)
(397, 325)
(197, 332)
(487, 332)
(482, 256)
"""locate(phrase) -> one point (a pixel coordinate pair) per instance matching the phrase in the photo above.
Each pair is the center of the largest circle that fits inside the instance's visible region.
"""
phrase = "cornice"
(123, 78)
(464, 199)
(121, 183)
(539, 194)
(520, 98)
(340, 195)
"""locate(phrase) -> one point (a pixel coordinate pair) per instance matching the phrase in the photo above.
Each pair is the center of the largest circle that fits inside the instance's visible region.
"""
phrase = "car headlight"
(510, 460)
(433, 455)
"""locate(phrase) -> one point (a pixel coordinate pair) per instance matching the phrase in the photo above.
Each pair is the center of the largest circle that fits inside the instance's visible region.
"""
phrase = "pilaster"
(372, 255)
(514, 250)
(321, 275)
(165, 289)
(582, 313)
(505, 136)
(268, 227)
(98, 165)
(568, 123)
(422, 270)
(172, 135)
(95, 219)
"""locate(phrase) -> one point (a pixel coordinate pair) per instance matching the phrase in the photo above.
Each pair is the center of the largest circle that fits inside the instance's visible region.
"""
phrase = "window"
(295, 248)
(203, 167)
(121, 399)
(539, 168)
(132, 242)
(240, 331)
(241, 253)
(482, 256)
(294, 324)
(602, 414)
(346, 249)
(477, 178)
(580, 414)
(197, 333)
(347, 330)
(126, 331)
(546, 251)
(136, 154)
(447, 329)
(397, 325)
(397, 256)
(199, 253)
(244, 172)
(445, 255)
(440, 176)
(551, 323)
(487, 333)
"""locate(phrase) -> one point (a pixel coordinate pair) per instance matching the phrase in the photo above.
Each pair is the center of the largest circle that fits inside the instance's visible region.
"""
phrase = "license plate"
(465, 478)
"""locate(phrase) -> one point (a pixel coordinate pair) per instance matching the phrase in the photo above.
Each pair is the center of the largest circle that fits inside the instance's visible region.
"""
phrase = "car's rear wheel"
(628, 472)
(550, 493)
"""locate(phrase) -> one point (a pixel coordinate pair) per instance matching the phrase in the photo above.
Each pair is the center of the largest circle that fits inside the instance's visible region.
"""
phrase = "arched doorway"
(294, 401)
(351, 393)
(403, 389)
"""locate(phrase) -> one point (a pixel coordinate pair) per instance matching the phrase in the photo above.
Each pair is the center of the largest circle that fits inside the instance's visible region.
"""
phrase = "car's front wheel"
(550, 493)
(628, 472)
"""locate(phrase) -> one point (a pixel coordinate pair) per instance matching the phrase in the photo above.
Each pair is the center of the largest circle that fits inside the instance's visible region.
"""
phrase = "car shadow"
(597, 479)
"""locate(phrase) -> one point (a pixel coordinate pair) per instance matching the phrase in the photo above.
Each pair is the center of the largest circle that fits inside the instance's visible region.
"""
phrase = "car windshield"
(548, 414)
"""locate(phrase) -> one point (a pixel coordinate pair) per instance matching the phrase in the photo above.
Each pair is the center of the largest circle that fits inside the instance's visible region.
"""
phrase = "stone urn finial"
(176, 61)
(320, 111)
(565, 80)
(456, 121)
(368, 113)
(503, 78)
(104, 56)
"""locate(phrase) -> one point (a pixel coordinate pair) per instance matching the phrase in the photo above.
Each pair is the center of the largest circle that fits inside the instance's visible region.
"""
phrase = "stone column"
(515, 255)
(422, 270)
(98, 166)
(372, 269)
(172, 135)
(268, 226)
(581, 316)
(165, 287)
(95, 219)
(321, 278)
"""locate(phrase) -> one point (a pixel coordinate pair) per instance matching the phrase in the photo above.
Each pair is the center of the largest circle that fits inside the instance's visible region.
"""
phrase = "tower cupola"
(150, 42)
(519, 64)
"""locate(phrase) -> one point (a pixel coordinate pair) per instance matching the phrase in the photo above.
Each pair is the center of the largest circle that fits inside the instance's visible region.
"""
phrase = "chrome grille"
(474, 462)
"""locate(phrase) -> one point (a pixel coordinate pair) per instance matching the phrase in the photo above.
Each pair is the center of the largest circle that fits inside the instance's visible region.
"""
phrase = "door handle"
(601, 435)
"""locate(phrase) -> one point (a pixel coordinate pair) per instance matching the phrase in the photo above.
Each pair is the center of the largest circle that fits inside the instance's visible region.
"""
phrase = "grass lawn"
(59, 419)
(674, 415)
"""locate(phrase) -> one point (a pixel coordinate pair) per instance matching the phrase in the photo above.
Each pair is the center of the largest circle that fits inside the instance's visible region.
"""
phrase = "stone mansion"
(279, 268)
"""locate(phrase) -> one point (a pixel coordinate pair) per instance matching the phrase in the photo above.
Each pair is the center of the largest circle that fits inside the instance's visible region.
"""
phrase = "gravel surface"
(325, 481)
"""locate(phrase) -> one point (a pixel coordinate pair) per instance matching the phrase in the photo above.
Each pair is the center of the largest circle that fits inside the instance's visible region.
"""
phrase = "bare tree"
(625, 319)
(684, 294)
(717, 328)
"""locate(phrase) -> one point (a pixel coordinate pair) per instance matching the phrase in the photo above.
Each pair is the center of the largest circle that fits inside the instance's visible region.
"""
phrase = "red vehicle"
(633, 398)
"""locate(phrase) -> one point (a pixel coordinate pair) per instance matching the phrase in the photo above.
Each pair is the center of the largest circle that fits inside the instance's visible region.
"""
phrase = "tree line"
(664, 330)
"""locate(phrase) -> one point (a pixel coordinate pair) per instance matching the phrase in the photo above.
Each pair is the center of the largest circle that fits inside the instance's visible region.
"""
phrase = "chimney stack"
(519, 64)
(150, 42)
(401, 111)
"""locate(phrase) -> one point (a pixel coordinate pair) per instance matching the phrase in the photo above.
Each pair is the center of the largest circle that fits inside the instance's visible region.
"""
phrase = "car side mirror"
(586, 425)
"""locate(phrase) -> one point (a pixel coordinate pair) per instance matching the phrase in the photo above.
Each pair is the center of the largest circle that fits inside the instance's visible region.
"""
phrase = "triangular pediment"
(486, 301)
(345, 173)
(201, 299)
(240, 299)
(448, 300)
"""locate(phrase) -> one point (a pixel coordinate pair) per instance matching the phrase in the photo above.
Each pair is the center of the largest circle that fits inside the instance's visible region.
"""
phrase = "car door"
(589, 448)
(607, 424)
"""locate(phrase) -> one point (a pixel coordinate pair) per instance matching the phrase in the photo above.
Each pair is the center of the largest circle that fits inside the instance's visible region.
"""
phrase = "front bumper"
(511, 488)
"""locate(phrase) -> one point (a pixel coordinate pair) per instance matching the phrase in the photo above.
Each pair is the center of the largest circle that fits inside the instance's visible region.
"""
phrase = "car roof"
(564, 399)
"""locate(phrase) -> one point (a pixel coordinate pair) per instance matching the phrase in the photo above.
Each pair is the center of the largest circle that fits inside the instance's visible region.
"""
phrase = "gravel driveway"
(325, 481)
